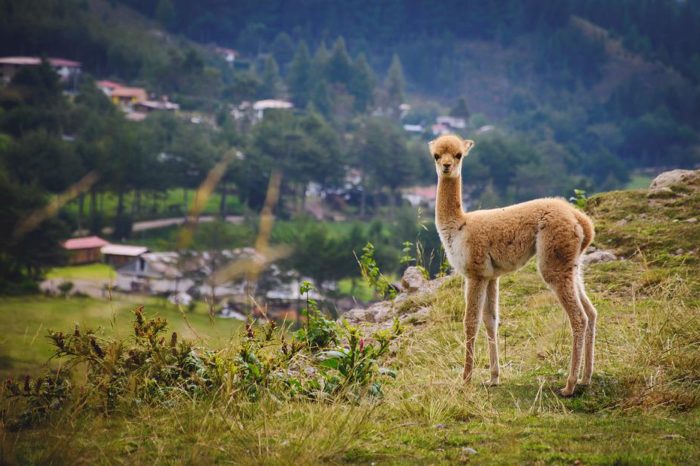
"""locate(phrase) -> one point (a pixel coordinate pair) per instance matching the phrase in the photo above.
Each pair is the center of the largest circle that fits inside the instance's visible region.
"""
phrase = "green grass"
(639, 182)
(642, 408)
(25, 322)
(82, 272)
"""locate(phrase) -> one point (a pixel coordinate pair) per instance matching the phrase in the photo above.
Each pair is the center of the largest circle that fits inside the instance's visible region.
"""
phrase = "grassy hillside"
(642, 407)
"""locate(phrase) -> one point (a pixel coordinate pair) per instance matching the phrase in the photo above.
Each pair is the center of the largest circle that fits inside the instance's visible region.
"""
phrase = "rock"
(679, 251)
(418, 317)
(692, 220)
(413, 280)
(356, 315)
(599, 256)
(468, 451)
(673, 177)
(661, 193)
(382, 311)
(621, 223)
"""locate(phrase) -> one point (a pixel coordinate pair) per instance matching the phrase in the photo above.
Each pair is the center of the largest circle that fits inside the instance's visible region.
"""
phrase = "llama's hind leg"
(565, 288)
(474, 297)
(589, 346)
(490, 319)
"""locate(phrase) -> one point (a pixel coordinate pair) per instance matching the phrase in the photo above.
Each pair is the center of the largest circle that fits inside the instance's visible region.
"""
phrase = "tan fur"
(485, 244)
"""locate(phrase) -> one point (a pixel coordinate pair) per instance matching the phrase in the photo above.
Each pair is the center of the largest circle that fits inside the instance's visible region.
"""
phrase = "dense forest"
(558, 95)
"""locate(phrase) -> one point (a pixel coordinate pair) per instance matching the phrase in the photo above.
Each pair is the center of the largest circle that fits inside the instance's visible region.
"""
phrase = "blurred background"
(140, 140)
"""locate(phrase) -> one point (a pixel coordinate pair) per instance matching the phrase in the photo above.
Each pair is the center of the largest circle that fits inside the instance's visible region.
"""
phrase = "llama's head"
(449, 151)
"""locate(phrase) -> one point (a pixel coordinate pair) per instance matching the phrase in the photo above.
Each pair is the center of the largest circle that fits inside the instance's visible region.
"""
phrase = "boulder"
(674, 177)
(599, 256)
(413, 280)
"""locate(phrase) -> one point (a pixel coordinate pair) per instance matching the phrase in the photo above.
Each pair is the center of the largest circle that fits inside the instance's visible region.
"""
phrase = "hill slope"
(642, 407)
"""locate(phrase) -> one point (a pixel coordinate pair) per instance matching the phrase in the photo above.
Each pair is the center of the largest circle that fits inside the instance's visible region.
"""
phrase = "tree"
(282, 48)
(339, 67)
(165, 13)
(25, 255)
(271, 81)
(381, 154)
(395, 84)
(245, 86)
(300, 77)
(321, 98)
(460, 109)
(362, 84)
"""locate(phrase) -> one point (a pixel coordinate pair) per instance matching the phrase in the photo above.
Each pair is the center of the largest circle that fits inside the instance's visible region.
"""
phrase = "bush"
(324, 360)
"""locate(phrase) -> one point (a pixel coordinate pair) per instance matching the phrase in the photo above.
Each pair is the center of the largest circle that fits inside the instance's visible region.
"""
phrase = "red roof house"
(85, 250)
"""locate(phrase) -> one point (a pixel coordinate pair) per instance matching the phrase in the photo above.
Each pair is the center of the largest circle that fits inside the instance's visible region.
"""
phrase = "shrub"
(321, 361)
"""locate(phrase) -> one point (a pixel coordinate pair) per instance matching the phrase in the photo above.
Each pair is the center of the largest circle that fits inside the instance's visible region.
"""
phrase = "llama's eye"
(458, 156)
(436, 157)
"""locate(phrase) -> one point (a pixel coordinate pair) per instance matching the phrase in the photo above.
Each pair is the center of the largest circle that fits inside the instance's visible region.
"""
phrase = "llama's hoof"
(564, 393)
(493, 383)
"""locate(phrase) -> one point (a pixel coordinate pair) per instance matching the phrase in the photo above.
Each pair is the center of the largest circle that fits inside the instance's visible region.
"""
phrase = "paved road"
(166, 222)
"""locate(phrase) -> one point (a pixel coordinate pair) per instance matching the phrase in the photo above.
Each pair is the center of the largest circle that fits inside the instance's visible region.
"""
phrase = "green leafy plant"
(373, 276)
(322, 359)
(579, 199)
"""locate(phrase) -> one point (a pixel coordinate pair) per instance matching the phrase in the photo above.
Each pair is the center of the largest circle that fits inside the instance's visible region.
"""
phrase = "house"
(108, 87)
(261, 106)
(147, 106)
(451, 122)
(155, 272)
(229, 55)
(128, 96)
(117, 255)
(84, 250)
(67, 70)
(423, 196)
(417, 129)
(439, 129)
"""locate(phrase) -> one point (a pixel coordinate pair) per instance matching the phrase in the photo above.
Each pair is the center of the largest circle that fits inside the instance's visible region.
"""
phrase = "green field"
(639, 182)
(83, 272)
(25, 322)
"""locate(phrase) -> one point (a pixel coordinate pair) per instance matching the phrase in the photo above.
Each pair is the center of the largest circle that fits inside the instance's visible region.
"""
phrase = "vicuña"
(485, 244)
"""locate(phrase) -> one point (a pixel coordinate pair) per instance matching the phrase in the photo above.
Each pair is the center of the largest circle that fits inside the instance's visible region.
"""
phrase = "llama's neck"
(448, 208)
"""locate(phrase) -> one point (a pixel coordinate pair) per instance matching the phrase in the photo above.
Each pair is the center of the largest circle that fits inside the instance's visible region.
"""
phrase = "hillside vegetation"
(642, 407)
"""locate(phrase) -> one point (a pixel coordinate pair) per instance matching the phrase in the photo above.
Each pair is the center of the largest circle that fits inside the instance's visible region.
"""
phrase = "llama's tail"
(587, 227)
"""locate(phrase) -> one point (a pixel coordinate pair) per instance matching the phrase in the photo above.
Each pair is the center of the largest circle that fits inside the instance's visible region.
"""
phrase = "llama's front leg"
(491, 322)
(475, 294)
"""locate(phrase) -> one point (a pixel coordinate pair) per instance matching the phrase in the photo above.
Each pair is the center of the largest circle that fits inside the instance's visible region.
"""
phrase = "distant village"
(185, 276)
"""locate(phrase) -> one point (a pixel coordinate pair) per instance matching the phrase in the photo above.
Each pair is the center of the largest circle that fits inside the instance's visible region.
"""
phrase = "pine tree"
(395, 84)
(165, 13)
(320, 61)
(282, 48)
(321, 98)
(300, 77)
(271, 81)
(339, 67)
(362, 84)
(460, 109)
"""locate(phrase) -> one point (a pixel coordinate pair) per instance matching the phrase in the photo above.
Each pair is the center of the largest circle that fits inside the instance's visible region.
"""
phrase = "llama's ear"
(431, 145)
(468, 144)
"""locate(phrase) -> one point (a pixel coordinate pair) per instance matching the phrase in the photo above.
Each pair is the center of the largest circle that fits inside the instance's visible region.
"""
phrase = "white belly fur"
(457, 253)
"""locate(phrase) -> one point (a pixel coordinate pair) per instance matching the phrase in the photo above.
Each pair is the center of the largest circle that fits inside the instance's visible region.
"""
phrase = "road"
(167, 222)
